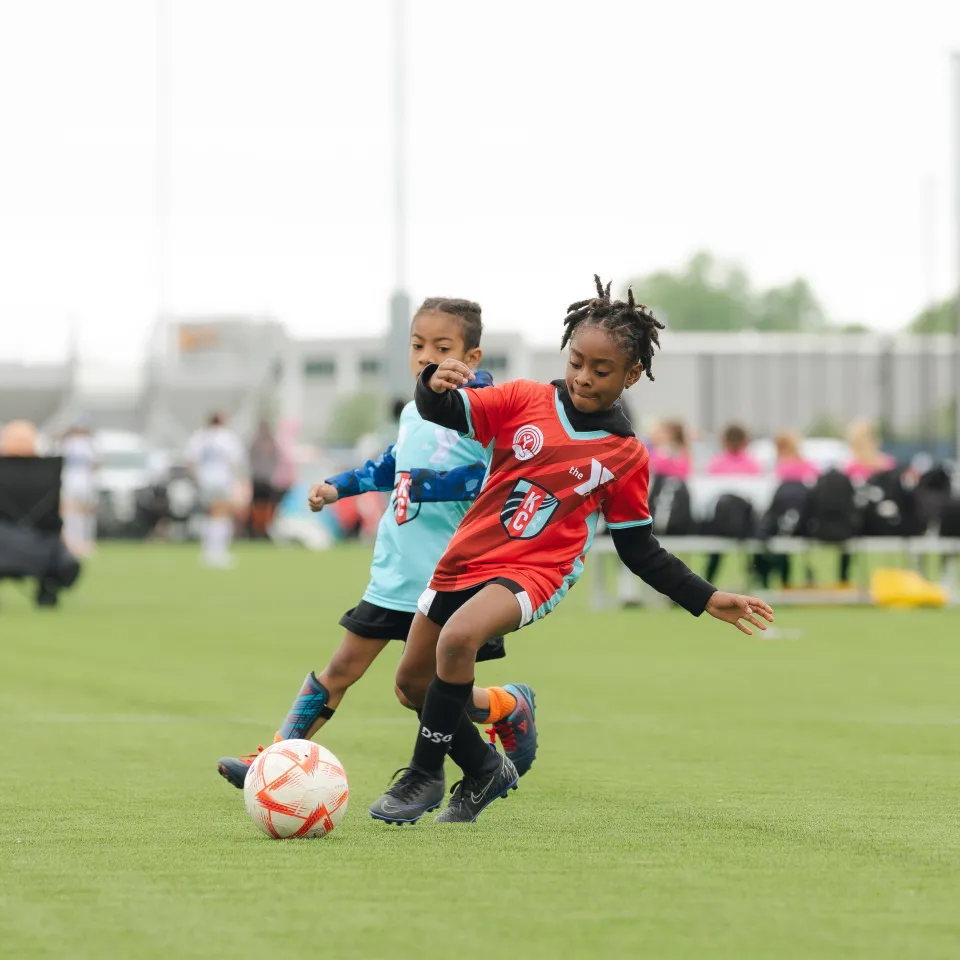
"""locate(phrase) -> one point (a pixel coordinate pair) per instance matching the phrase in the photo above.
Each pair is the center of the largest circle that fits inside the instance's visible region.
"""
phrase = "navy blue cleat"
(234, 769)
(416, 792)
(518, 731)
(471, 795)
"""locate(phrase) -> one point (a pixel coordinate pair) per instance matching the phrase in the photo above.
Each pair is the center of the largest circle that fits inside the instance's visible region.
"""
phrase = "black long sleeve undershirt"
(444, 409)
(641, 552)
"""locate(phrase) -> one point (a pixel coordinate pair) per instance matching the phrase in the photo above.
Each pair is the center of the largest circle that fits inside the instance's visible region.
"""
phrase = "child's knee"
(456, 645)
(411, 687)
(404, 702)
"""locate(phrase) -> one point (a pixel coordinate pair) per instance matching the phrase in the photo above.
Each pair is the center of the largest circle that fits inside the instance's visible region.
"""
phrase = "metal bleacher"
(908, 552)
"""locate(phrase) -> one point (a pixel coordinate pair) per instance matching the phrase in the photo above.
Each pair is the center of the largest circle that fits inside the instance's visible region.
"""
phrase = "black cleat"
(472, 794)
(417, 792)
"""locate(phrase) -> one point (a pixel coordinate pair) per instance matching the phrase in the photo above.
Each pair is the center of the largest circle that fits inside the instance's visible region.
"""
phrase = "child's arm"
(373, 475)
(628, 517)
(460, 483)
(473, 413)
(438, 398)
(640, 550)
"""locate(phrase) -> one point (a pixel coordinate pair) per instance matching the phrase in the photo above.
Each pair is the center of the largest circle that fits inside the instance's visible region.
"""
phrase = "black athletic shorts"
(441, 606)
(371, 622)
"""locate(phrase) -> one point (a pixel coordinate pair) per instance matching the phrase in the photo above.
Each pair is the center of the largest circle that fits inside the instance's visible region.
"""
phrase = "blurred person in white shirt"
(216, 456)
(79, 489)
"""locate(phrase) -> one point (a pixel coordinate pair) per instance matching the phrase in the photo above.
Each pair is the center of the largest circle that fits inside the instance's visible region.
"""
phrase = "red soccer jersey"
(536, 516)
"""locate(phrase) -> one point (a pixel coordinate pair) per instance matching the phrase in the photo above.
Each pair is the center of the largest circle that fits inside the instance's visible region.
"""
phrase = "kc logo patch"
(403, 510)
(527, 511)
(527, 442)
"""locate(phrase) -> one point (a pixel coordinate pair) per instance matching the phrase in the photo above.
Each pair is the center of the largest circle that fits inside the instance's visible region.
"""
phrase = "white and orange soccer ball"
(296, 788)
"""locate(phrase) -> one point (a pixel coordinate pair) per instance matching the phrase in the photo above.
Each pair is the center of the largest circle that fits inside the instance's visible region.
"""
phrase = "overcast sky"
(546, 141)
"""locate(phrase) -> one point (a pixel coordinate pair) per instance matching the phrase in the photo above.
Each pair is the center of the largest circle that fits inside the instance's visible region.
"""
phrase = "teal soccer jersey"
(427, 503)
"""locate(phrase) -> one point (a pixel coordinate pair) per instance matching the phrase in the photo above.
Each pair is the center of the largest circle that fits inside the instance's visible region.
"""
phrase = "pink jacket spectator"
(670, 465)
(734, 464)
(796, 470)
(859, 472)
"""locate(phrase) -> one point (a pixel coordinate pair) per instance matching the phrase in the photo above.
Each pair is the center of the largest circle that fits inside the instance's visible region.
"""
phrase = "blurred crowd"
(220, 486)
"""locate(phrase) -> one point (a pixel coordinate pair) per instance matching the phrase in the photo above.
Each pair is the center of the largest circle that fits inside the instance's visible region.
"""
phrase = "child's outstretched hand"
(320, 495)
(734, 607)
(450, 375)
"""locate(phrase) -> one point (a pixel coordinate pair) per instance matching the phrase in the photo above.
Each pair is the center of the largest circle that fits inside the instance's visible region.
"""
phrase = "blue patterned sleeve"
(460, 483)
(373, 475)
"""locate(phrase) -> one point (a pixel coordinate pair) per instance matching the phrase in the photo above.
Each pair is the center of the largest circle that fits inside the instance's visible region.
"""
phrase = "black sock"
(442, 709)
(469, 751)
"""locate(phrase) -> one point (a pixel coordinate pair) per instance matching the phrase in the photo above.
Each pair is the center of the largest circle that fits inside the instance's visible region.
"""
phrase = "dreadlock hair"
(466, 310)
(632, 325)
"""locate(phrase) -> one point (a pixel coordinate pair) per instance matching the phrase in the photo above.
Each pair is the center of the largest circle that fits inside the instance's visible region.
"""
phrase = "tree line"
(709, 295)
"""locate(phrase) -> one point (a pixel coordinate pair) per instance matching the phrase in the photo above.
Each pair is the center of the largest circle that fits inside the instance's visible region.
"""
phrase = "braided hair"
(468, 312)
(632, 325)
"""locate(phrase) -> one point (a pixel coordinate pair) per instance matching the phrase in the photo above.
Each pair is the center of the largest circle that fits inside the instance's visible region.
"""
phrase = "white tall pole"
(395, 359)
(929, 238)
(162, 177)
(399, 146)
(956, 332)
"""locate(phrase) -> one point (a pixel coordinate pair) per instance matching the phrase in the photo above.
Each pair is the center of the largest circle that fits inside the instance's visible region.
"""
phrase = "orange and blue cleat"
(518, 730)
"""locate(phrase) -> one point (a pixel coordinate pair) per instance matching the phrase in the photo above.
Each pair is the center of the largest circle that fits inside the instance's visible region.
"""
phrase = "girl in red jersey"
(562, 454)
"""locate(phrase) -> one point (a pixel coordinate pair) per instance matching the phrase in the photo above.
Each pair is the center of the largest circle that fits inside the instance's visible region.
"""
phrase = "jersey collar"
(589, 426)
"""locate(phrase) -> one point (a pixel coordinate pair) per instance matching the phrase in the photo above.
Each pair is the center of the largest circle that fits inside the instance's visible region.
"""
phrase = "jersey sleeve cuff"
(465, 396)
(625, 524)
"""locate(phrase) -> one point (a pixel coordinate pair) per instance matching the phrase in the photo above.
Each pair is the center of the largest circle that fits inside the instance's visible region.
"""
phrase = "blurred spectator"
(30, 524)
(669, 450)
(18, 438)
(790, 464)
(79, 489)
(734, 459)
(794, 475)
(867, 457)
(285, 476)
(216, 457)
(264, 460)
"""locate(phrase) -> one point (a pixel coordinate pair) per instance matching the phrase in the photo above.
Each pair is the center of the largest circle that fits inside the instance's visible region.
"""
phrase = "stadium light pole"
(162, 175)
(956, 330)
(396, 365)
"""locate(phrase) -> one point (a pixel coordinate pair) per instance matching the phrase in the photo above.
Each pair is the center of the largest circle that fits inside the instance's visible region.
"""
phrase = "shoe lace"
(456, 791)
(406, 787)
(506, 732)
(248, 758)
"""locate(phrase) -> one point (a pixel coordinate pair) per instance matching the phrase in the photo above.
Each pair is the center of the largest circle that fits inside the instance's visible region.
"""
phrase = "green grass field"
(697, 793)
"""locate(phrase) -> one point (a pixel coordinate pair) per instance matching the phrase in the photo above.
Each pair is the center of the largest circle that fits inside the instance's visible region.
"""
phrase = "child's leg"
(73, 528)
(221, 531)
(444, 724)
(418, 666)
(317, 700)
(320, 695)
(419, 661)
(349, 663)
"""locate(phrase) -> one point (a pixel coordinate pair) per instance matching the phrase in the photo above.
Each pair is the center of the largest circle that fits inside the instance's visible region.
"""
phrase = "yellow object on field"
(890, 587)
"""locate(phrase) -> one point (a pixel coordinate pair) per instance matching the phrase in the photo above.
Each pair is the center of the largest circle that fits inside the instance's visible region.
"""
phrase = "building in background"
(250, 367)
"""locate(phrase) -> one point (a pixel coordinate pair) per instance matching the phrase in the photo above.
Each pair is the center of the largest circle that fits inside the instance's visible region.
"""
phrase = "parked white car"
(125, 468)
